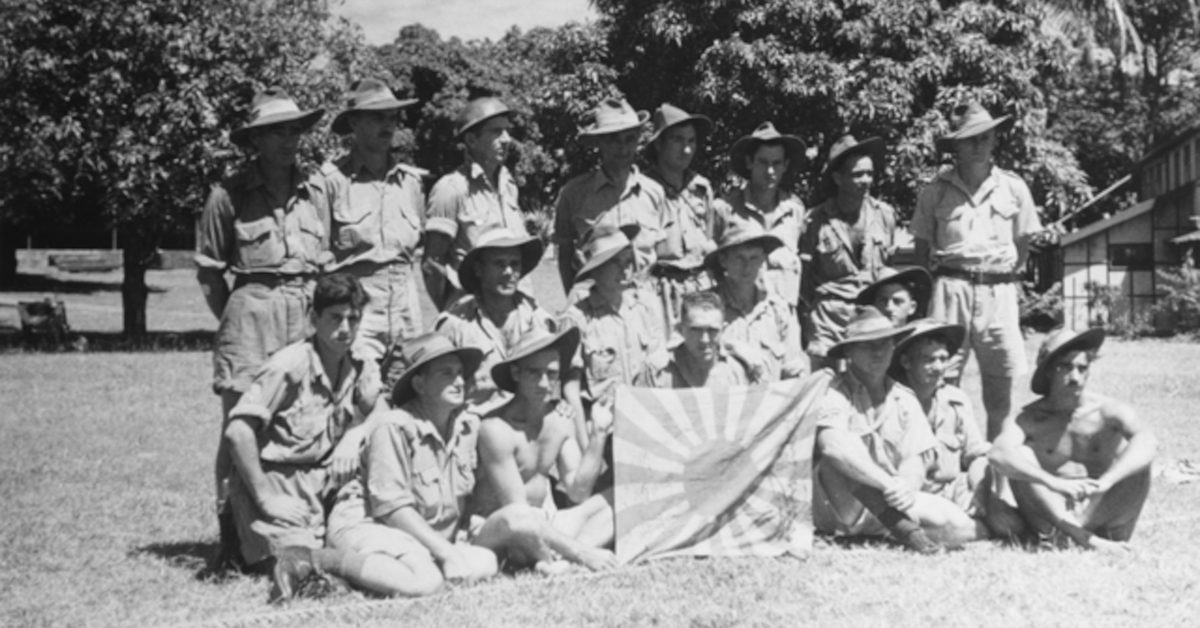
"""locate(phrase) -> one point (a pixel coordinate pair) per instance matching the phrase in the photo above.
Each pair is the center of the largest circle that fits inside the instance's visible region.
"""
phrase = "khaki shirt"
(958, 438)
(406, 463)
(893, 432)
(243, 230)
(690, 216)
(301, 417)
(614, 342)
(662, 371)
(786, 221)
(769, 325)
(467, 325)
(979, 231)
(840, 259)
(464, 204)
(593, 199)
(373, 220)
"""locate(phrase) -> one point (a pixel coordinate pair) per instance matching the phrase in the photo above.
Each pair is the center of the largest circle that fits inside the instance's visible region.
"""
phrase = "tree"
(123, 108)
(821, 67)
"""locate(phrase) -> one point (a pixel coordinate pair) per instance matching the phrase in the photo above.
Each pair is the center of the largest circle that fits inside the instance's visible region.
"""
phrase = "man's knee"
(412, 575)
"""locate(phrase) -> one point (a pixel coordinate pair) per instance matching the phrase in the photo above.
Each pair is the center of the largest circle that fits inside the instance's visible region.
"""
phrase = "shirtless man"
(521, 441)
(1079, 462)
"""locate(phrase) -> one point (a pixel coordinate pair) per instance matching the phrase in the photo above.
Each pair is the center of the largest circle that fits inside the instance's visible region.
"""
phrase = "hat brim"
(531, 249)
(871, 147)
(566, 342)
(954, 335)
(702, 123)
(402, 390)
(474, 123)
(769, 242)
(836, 351)
(241, 136)
(598, 260)
(917, 279)
(1087, 340)
(341, 122)
(597, 131)
(945, 143)
(793, 148)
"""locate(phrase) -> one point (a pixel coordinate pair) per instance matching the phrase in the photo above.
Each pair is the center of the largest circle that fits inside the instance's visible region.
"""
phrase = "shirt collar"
(632, 182)
(425, 429)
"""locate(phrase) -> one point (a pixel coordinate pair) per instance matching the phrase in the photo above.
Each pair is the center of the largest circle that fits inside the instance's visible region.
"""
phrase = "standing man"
(616, 193)
(375, 206)
(1079, 462)
(700, 361)
(766, 159)
(972, 227)
(261, 226)
(478, 196)
(848, 240)
(690, 220)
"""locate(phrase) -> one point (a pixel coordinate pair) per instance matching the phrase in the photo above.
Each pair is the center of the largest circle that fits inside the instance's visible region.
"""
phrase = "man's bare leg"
(997, 401)
(1114, 514)
(850, 498)
(411, 575)
(527, 537)
(229, 554)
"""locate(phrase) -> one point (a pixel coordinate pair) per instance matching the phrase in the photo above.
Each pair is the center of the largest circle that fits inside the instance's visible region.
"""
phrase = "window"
(1131, 256)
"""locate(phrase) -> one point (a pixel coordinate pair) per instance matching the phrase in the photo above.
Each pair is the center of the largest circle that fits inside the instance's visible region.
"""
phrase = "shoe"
(320, 584)
(919, 542)
(229, 554)
(293, 565)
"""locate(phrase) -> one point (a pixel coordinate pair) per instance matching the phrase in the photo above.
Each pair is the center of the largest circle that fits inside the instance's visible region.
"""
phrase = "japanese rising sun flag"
(703, 472)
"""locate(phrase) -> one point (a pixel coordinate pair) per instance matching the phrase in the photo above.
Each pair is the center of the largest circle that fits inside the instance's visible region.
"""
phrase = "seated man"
(285, 432)
(959, 470)
(902, 294)
(523, 440)
(873, 444)
(1079, 462)
(404, 512)
(495, 313)
(700, 360)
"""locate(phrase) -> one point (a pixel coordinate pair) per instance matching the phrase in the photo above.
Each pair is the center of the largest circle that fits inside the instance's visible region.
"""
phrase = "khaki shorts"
(260, 318)
(992, 317)
(261, 537)
(351, 529)
(860, 522)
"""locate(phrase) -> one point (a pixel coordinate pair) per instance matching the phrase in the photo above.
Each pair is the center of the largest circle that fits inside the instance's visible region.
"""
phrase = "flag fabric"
(702, 472)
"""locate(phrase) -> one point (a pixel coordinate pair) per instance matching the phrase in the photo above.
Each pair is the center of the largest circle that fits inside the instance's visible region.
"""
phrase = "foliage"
(121, 108)
(1178, 304)
(820, 67)
(1040, 311)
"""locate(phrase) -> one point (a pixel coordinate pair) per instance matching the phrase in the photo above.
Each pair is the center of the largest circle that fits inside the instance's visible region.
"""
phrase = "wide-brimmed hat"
(412, 354)
(793, 147)
(868, 325)
(915, 278)
(953, 335)
(612, 115)
(479, 111)
(535, 341)
(1058, 343)
(273, 106)
(846, 147)
(368, 95)
(739, 233)
(531, 249)
(966, 121)
(602, 243)
(668, 115)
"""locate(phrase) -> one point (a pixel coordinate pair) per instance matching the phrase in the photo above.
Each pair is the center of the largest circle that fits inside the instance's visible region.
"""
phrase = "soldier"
(902, 294)
(261, 226)
(847, 241)
(972, 227)
(767, 159)
(375, 206)
(478, 196)
(691, 206)
(700, 361)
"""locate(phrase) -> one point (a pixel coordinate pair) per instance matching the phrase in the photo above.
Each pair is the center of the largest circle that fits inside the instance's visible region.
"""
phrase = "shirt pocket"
(259, 242)
(307, 419)
(464, 468)
(1004, 211)
(353, 235)
(427, 491)
(603, 362)
(306, 233)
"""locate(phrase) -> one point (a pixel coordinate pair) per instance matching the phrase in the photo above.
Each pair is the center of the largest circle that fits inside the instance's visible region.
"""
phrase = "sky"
(466, 19)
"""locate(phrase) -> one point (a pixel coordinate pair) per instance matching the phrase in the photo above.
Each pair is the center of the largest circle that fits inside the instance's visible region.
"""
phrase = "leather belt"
(978, 277)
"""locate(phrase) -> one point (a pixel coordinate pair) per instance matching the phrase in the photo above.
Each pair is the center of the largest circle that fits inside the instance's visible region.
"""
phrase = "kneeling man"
(1079, 462)
(873, 447)
(521, 442)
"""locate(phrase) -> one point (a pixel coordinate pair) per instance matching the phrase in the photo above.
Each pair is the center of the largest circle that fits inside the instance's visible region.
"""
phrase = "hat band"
(275, 108)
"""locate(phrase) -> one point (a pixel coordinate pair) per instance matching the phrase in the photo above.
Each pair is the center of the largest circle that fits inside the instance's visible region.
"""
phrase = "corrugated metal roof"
(1115, 219)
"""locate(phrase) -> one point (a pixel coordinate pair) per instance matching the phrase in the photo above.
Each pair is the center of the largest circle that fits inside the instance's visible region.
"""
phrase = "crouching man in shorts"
(295, 434)
(1079, 462)
(524, 440)
(405, 511)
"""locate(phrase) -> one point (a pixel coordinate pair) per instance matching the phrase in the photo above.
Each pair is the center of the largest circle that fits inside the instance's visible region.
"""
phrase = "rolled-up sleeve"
(214, 229)
(387, 470)
(269, 392)
(442, 211)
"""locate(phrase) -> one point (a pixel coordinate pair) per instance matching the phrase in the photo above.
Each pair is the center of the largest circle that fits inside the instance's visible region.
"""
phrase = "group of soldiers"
(361, 442)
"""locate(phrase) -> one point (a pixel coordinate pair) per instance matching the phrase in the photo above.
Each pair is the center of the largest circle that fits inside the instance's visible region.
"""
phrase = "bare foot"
(1108, 546)
(555, 567)
(598, 559)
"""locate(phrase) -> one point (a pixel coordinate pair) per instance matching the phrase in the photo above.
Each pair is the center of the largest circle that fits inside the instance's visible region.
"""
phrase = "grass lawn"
(106, 481)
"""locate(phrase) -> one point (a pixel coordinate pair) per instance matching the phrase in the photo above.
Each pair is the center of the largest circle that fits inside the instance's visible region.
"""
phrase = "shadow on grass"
(26, 282)
(200, 558)
(13, 340)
